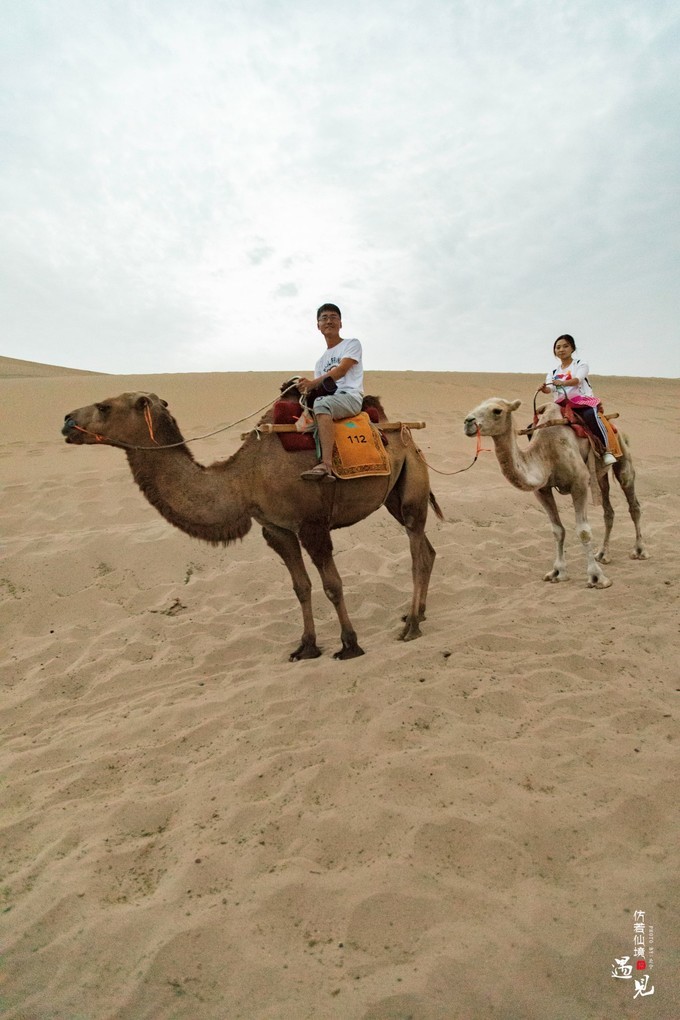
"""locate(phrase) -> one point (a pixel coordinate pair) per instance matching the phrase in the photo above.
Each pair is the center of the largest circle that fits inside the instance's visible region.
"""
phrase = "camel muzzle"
(470, 427)
(69, 430)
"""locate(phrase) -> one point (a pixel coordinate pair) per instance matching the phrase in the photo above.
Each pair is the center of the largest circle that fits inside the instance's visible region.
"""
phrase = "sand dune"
(13, 368)
(459, 827)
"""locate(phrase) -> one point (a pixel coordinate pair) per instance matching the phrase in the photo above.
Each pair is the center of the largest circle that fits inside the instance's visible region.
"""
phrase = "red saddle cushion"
(287, 412)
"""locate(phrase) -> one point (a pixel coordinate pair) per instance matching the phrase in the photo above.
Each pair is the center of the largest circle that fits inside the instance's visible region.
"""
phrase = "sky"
(182, 184)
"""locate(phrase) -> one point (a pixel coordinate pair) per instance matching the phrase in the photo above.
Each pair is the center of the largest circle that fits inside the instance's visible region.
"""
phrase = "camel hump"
(370, 403)
(550, 412)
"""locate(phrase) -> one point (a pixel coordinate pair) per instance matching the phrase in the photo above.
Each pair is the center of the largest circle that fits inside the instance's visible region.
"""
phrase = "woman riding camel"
(570, 382)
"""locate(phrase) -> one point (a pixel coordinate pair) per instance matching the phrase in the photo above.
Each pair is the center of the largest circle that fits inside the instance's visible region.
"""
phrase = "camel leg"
(547, 500)
(422, 561)
(596, 576)
(285, 543)
(317, 541)
(624, 473)
(608, 514)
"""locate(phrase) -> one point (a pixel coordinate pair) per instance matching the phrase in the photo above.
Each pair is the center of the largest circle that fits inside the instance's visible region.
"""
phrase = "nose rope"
(97, 437)
(102, 439)
(169, 446)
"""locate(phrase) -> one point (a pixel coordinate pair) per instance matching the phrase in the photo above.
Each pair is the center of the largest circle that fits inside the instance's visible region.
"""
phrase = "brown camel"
(261, 482)
(556, 458)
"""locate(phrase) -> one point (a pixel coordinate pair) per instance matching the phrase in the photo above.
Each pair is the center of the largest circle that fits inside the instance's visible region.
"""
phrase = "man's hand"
(304, 385)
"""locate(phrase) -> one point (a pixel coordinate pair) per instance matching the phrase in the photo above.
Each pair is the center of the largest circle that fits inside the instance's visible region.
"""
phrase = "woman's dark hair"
(570, 340)
(328, 308)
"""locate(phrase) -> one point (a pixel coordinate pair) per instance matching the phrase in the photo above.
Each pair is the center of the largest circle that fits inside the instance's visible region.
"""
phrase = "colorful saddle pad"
(358, 450)
(570, 414)
(286, 412)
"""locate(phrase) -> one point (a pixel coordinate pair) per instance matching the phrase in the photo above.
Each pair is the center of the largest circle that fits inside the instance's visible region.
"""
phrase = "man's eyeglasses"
(329, 318)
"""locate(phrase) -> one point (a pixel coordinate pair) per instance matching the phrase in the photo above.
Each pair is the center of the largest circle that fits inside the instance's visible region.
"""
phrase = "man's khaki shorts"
(338, 405)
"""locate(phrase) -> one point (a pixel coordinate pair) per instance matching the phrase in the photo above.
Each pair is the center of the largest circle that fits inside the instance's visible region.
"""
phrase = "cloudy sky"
(181, 184)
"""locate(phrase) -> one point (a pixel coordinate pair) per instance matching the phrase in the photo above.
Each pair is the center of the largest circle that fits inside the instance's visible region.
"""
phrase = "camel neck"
(516, 465)
(204, 502)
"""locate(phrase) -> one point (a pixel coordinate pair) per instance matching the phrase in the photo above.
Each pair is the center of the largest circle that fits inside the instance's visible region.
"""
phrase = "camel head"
(493, 417)
(132, 419)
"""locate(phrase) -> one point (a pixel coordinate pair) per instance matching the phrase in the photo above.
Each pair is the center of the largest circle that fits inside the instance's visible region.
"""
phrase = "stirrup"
(320, 473)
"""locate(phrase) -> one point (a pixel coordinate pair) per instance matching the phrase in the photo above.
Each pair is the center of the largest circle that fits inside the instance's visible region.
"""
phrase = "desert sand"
(456, 828)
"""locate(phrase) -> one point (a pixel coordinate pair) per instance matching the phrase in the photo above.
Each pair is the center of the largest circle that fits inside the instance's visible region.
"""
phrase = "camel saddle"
(359, 445)
(287, 412)
(597, 448)
(571, 415)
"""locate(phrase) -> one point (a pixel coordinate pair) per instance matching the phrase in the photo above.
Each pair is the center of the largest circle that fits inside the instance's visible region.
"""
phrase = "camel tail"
(436, 507)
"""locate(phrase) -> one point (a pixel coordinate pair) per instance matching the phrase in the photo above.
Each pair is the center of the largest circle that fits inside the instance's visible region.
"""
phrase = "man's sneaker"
(608, 459)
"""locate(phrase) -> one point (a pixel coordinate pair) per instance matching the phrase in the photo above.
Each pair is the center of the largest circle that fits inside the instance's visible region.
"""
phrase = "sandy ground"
(459, 827)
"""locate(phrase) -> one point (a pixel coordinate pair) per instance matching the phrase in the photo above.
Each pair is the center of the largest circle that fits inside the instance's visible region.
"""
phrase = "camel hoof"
(349, 652)
(411, 631)
(602, 557)
(554, 577)
(639, 554)
(600, 582)
(304, 651)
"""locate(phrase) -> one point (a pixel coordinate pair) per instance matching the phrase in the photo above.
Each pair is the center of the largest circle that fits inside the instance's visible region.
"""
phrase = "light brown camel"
(261, 482)
(556, 458)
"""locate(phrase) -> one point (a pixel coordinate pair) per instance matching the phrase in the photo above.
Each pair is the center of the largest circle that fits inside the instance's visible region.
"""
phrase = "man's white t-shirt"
(353, 380)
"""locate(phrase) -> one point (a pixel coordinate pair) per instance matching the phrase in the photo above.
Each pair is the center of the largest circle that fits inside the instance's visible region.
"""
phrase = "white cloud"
(182, 186)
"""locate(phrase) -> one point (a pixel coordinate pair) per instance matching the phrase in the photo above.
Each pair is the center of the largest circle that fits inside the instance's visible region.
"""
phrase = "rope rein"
(406, 434)
(169, 446)
(480, 449)
(535, 421)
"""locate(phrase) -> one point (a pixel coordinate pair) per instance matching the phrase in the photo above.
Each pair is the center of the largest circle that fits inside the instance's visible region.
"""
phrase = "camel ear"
(515, 404)
(147, 399)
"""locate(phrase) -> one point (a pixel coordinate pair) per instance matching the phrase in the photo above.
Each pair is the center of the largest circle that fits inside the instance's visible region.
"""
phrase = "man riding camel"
(339, 374)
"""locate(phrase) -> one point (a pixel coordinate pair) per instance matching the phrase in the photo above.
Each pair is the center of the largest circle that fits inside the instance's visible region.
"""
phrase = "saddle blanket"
(287, 412)
(570, 414)
(359, 449)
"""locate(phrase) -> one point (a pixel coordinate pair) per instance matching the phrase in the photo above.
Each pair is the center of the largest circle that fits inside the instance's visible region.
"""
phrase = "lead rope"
(406, 436)
(169, 446)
